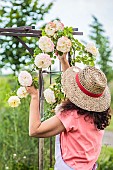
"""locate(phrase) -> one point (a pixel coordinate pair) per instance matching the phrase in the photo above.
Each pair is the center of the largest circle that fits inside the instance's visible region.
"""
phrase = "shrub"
(105, 161)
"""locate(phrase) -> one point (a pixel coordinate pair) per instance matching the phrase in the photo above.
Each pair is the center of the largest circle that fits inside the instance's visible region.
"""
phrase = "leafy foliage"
(15, 13)
(102, 41)
(111, 87)
(81, 56)
(59, 96)
(105, 161)
(14, 137)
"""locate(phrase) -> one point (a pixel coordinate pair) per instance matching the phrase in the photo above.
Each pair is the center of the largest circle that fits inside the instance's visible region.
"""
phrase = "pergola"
(30, 31)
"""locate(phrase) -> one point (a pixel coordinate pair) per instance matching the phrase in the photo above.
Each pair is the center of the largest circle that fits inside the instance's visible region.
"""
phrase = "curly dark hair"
(101, 119)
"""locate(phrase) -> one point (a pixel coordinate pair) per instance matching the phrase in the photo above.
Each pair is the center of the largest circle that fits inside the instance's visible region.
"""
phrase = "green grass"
(105, 161)
(14, 138)
(110, 127)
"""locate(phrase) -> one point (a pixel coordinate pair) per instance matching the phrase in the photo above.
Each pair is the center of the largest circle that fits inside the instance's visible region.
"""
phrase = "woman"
(80, 120)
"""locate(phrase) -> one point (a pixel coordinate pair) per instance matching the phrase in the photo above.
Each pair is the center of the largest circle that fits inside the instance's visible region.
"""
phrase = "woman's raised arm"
(64, 62)
(50, 127)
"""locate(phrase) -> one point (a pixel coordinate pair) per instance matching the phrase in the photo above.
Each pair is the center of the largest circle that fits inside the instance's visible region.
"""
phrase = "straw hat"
(87, 88)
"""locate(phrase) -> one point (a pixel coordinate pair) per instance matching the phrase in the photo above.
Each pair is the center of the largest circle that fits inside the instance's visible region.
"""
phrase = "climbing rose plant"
(55, 39)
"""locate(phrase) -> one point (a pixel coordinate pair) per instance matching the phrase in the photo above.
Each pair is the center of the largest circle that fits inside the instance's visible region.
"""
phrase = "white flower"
(49, 96)
(25, 78)
(64, 44)
(90, 47)
(42, 60)
(14, 155)
(59, 25)
(45, 44)
(22, 92)
(14, 101)
(50, 28)
(24, 157)
(6, 167)
(54, 26)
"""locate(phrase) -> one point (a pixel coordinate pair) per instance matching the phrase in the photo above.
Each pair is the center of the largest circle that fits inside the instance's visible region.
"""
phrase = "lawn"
(110, 127)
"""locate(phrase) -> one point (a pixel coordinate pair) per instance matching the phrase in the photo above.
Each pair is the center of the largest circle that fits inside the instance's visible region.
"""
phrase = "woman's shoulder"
(60, 110)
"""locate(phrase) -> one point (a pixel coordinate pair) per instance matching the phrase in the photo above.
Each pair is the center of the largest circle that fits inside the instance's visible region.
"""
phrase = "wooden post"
(41, 153)
(41, 140)
(51, 137)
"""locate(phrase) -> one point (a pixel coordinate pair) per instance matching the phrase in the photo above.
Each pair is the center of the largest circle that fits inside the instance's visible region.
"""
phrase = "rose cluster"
(52, 27)
(55, 38)
(25, 79)
(50, 42)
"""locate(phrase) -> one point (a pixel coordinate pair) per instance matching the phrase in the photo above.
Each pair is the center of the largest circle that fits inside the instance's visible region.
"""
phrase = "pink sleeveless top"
(81, 142)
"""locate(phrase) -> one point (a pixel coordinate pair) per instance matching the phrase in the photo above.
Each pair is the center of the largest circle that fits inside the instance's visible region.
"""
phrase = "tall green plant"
(111, 87)
(102, 41)
(105, 161)
(18, 151)
(15, 13)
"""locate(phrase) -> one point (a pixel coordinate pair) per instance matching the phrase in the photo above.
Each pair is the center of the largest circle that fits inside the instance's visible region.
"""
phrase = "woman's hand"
(63, 57)
(63, 60)
(33, 91)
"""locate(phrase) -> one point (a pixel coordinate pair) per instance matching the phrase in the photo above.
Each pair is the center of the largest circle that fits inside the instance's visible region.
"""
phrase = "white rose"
(45, 44)
(25, 78)
(22, 92)
(14, 101)
(90, 47)
(49, 96)
(59, 25)
(50, 28)
(64, 44)
(42, 60)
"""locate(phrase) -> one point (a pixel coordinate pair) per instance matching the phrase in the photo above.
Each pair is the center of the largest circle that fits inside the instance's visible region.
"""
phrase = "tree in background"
(16, 13)
(102, 41)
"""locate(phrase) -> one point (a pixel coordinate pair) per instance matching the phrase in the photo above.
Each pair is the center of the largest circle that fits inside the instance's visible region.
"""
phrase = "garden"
(18, 151)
